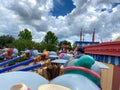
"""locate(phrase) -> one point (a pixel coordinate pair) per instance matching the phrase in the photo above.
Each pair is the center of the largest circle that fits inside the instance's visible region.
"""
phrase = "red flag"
(93, 37)
(81, 35)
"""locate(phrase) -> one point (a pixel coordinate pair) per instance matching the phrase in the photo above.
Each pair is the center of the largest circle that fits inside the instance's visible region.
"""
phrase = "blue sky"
(62, 7)
(63, 17)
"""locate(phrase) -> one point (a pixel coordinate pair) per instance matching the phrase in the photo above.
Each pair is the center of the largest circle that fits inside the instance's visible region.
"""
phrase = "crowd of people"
(9, 53)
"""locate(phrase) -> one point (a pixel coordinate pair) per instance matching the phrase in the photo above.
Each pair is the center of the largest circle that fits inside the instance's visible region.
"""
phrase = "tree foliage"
(50, 38)
(50, 41)
(5, 40)
(65, 43)
(21, 44)
(25, 34)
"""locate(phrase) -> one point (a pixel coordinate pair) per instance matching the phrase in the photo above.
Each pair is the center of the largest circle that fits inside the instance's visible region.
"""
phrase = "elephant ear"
(97, 66)
(75, 82)
(61, 61)
(52, 87)
(30, 79)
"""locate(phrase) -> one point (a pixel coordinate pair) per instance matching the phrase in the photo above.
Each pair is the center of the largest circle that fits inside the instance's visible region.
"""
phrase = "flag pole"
(81, 35)
(93, 36)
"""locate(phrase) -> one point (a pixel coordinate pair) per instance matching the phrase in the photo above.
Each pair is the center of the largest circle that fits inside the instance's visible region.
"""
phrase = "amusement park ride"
(98, 69)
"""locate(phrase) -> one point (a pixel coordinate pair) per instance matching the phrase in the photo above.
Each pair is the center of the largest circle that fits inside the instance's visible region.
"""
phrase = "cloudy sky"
(63, 17)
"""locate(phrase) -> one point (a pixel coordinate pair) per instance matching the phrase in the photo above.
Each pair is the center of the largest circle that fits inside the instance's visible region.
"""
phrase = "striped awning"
(115, 60)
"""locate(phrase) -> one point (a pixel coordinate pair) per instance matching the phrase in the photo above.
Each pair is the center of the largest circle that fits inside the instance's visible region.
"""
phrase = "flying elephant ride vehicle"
(77, 74)
(8, 53)
(32, 58)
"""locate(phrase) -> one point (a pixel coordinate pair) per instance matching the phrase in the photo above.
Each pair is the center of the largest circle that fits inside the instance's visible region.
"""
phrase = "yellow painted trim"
(106, 77)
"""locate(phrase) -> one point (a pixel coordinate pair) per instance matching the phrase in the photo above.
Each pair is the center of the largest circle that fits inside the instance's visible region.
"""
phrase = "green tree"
(51, 38)
(67, 43)
(21, 44)
(25, 34)
(5, 40)
(50, 41)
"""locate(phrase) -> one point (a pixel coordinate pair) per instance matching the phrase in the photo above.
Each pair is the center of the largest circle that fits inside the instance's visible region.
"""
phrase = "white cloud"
(35, 14)
(115, 35)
